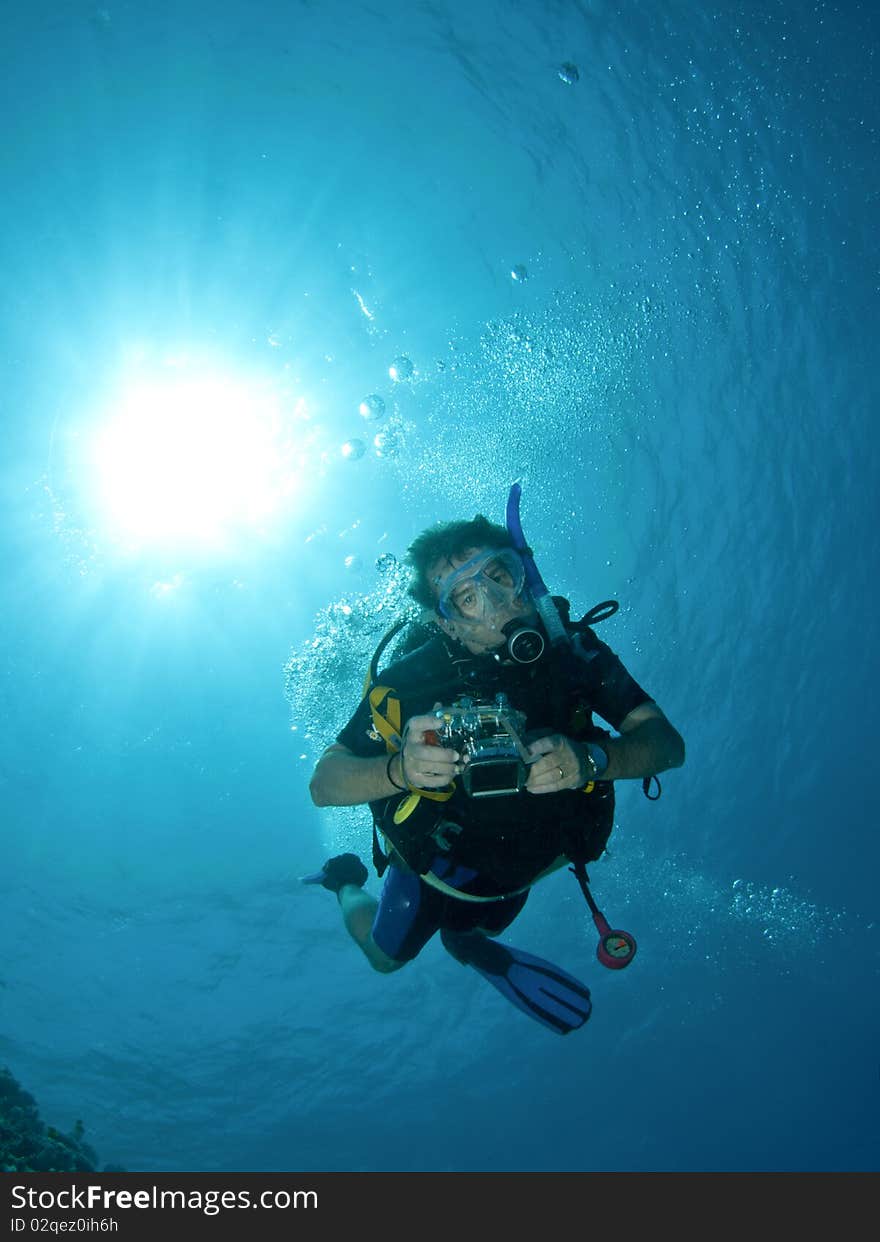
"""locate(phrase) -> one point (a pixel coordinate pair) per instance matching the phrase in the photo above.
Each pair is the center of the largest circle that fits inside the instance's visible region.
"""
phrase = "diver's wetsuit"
(411, 911)
(505, 842)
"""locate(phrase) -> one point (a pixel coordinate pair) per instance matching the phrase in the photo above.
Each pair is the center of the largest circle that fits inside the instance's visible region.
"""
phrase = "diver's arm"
(342, 778)
(648, 744)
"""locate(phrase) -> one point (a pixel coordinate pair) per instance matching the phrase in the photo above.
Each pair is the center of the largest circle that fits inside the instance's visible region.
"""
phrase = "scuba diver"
(484, 768)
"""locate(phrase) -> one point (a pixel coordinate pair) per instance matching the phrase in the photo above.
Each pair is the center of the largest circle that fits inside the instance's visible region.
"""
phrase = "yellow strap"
(387, 726)
(435, 795)
(405, 807)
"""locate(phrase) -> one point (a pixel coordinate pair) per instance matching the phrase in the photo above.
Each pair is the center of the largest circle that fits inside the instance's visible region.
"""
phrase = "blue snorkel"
(547, 610)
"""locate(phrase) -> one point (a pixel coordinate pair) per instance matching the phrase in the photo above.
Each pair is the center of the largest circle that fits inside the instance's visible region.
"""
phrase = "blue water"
(686, 383)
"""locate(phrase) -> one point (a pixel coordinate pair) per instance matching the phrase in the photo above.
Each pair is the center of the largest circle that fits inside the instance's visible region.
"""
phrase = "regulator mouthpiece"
(525, 643)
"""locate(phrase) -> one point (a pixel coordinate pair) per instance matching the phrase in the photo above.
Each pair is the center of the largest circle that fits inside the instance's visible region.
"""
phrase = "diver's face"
(477, 593)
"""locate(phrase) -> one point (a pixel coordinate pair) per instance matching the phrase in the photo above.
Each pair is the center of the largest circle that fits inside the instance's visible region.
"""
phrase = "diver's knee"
(386, 967)
(380, 961)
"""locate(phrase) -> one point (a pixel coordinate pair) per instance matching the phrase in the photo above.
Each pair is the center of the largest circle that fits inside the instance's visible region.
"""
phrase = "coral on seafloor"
(27, 1145)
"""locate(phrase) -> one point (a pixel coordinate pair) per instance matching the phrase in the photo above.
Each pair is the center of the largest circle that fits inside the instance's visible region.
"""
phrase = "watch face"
(598, 758)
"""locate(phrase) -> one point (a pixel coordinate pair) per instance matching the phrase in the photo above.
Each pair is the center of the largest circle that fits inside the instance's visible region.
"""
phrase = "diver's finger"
(543, 745)
(548, 776)
(428, 778)
(418, 726)
(417, 752)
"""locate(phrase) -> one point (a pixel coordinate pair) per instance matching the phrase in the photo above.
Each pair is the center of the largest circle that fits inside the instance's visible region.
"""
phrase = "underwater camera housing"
(489, 734)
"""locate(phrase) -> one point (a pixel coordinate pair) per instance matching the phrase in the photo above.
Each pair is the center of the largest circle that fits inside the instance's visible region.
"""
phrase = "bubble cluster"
(387, 563)
(388, 443)
(323, 678)
(562, 362)
(779, 915)
(542, 386)
(738, 927)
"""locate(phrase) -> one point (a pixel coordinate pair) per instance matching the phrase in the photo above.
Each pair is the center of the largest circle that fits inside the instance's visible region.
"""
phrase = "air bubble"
(353, 449)
(388, 443)
(372, 407)
(401, 369)
(568, 73)
(519, 273)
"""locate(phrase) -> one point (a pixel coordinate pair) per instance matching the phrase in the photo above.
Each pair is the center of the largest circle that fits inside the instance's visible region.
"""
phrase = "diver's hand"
(558, 764)
(426, 765)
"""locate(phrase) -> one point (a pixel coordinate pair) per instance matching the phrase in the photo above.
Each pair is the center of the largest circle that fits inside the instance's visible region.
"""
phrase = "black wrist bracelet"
(391, 779)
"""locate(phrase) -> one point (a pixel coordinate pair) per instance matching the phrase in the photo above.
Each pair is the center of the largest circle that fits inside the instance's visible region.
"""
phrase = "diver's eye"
(499, 573)
(465, 600)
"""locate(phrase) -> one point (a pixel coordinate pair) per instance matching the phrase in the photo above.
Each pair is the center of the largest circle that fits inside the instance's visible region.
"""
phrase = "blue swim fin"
(540, 989)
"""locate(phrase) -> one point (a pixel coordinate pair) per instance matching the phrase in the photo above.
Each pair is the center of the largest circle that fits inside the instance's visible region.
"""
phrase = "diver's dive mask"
(488, 582)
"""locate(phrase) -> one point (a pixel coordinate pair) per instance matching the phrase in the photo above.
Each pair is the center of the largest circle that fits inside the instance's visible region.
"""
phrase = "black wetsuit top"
(509, 839)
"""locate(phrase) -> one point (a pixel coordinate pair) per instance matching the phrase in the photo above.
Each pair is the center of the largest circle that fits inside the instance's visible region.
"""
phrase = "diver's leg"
(408, 915)
(497, 917)
(345, 875)
(358, 914)
(389, 932)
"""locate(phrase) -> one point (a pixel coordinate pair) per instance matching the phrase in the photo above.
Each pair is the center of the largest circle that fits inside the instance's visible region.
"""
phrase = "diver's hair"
(443, 541)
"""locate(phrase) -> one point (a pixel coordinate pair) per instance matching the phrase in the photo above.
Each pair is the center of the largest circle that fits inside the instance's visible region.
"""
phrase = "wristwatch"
(597, 761)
